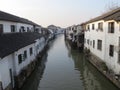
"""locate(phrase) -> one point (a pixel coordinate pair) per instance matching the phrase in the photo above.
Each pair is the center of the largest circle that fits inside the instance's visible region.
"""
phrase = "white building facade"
(12, 27)
(19, 48)
(102, 38)
(11, 65)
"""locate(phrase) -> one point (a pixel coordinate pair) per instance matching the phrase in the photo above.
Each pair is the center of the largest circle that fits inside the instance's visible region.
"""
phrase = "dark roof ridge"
(9, 14)
(11, 42)
(10, 17)
(116, 11)
(105, 15)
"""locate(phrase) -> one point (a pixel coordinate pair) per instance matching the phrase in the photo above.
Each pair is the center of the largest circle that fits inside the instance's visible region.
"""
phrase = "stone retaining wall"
(26, 72)
(109, 74)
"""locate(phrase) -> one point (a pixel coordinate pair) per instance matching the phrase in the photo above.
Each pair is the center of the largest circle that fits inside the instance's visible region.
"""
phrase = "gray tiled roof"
(9, 17)
(9, 43)
(112, 15)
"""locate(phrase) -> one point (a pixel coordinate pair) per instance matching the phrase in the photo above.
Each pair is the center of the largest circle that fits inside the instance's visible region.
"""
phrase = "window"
(36, 30)
(93, 27)
(99, 45)
(22, 29)
(28, 29)
(111, 50)
(100, 26)
(74, 31)
(93, 43)
(20, 58)
(88, 41)
(111, 27)
(31, 51)
(88, 27)
(13, 29)
(75, 37)
(1, 28)
(25, 55)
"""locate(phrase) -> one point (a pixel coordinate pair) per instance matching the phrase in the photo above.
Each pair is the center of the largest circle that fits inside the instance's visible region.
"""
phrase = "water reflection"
(63, 68)
(92, 79)
(59, 73)
(33, 82)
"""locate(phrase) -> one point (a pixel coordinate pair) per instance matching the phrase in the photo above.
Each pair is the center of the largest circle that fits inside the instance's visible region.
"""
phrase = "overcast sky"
(58, 12)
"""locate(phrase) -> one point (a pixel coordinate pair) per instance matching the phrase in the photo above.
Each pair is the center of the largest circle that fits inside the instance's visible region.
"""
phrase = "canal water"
(63, 68)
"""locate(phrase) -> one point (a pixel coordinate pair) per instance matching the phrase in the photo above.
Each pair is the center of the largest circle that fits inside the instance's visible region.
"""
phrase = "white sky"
(58, 12)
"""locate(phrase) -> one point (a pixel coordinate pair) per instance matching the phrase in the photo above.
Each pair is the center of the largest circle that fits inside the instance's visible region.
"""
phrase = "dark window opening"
(88, 27)
(93, 26)
(1, 28)
(20, 58)
(88, 41)
(100, 26)
(91, 43)
(25, 55)
(28, 30)
(111, 27)
(111, 50)
(99, 45)
(13, 29)
(31, 51)
(22, 29)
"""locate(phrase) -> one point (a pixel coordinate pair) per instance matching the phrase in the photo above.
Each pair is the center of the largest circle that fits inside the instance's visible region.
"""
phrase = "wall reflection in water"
(92, 79)
(34, 80)
(63, 68)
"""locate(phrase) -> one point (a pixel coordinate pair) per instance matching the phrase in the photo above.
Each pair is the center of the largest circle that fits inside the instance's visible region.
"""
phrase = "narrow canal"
(63, 68)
